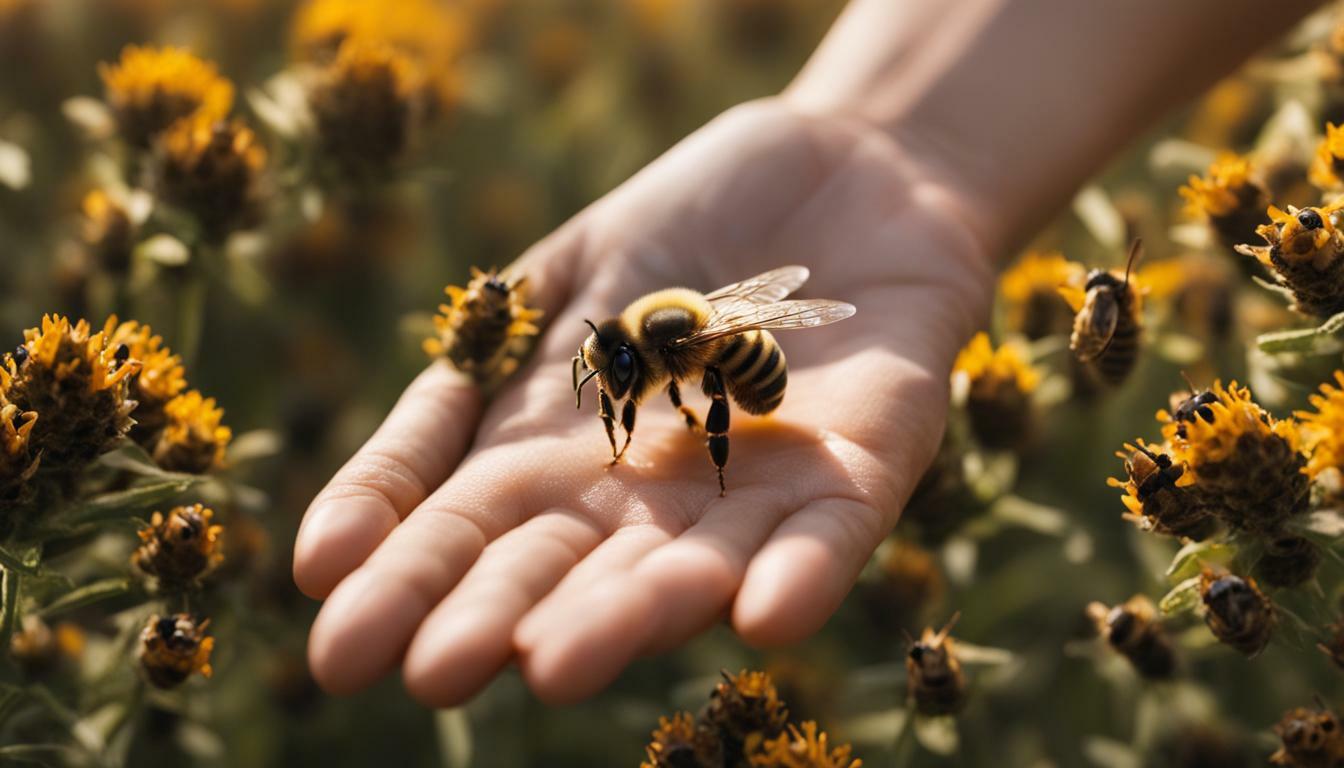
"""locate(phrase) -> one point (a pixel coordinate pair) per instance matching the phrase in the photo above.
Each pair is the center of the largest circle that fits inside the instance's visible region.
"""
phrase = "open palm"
(466, 535)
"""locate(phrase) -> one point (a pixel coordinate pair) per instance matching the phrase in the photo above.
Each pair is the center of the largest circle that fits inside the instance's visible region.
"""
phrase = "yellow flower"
(1028, 289)
(160, 379)
(1328, 163)
(1251, 463)
(1303, 250)
(805, 747)
(18, 459)
(173, 647)
(745, 710)
(108, 232)
(998, 385)
(179, 548)
(1196, 293)
(366, 105)
(77, 382)
(193, 439)
(678, 742)
(149, 89)
(1322, 430)
(485, 329)
(1228, 197)
(210, 169)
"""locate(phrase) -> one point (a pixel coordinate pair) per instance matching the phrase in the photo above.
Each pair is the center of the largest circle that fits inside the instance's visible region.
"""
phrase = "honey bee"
(1165, 506)
(479, 330)
(1311, 737)
(933, 673)
(1107, 326)
(1238, 613)
(1185, 408)
(1133, 630)
(723, 337)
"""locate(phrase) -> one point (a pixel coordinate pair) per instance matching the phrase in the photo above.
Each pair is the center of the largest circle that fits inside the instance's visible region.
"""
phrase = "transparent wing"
(1094, 327)
(766, 288)
(781, 315)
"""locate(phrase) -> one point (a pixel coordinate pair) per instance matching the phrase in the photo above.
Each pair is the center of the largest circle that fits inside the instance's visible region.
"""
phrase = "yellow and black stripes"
(753, 367)
(1118, 359)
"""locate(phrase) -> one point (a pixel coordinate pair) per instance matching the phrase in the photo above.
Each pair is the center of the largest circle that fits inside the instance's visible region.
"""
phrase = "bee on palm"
(1107, 326)
(723, 338)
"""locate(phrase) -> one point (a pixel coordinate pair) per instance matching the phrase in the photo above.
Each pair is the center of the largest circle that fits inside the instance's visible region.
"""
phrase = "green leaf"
(41, 754)
(1318, 340)
(1182, 598)
(130, 457)
(96, 592)
(1191, 557)
(25, 562)
(125, 504)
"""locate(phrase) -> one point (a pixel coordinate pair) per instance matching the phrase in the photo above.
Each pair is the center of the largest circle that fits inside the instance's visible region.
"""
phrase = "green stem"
(190, 313)
(11, 561)
(9, 609)
(903, 753)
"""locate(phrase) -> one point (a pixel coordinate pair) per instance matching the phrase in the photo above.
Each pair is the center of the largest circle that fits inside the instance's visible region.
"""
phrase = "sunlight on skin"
(533, 550)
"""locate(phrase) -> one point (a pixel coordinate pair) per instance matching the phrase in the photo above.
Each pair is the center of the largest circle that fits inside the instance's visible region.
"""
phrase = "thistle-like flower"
(998, 385)
(1029, 289)
(150, 89)
(1305, 252)
(743, 712)
(160, 379)
(1134, 631)
(1228, 197)
(678, 743)
(1328, 163)
(1237, 612)
(77, 383)
(1247, 462)
(1311, 738)
(485, 329)
(210, 169)
(18, 459)
(193, 438)
(804, 747)
(366, 105)
(1159, 494)
(178, 549)
(172, 648)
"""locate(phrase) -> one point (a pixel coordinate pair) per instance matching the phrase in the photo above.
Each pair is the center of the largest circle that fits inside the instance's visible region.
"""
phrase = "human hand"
(466, 534)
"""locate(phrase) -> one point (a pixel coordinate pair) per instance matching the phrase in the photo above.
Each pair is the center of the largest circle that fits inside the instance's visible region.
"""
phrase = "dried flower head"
(934, 677)
(173, 647)
(1159, 494)
(77, 382)
(1303, 250)
(160, 379)
(486, 328)
(210, 169)
(1228, 197)
(1287, 561)
(1134, 631)
(150, 89)
(38, 647)
(365, 105)
(743, 712)
(108, 233)
(1237, 612)
(804, 747)
(998, 385)
(679, 743)
(18, 459)
(193, 439)
(1311, 739)
(1250, 463)
(1328, 163)
(179, 548)
(1028, 289)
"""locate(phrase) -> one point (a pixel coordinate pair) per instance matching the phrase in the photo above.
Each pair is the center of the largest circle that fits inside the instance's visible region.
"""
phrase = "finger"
(804, 571)
(609, 603)
(368, 620)
(468, 638)
(422, 440)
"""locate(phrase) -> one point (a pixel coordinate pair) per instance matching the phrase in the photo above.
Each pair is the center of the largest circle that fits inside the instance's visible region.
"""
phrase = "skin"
(463, 537)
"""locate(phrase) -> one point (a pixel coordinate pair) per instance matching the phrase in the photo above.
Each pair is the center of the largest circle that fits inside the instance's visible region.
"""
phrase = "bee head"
(1231, 598)
(1306, 230)
(1121, 625)
(1100, 278)
(608, 354)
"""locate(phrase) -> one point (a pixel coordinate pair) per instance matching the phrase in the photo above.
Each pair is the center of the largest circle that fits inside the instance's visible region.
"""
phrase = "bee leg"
(628, 424)
(605, 410)
(716, 423)
(692, 421)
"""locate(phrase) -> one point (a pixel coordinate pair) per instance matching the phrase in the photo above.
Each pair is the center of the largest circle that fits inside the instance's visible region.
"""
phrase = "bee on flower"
(178, 549)
(150, 89)
(1236, 611)
(744, 711)
(1159, 494)
(677, 742)
(77, 383)
(998, 384)
(1311, 738)
(160, 378)
(211, 169)
(486, 328)
(804, 746)
(1303, 250)
(934, 678)
(172, 648)
(1132, 628)
(1229, 197)
(193, 438)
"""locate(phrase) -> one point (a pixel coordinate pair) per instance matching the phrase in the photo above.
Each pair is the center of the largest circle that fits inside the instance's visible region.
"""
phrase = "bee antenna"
(594, 327)
(578, 389)
(1188, 382)
(947, 628)
(1134, 250)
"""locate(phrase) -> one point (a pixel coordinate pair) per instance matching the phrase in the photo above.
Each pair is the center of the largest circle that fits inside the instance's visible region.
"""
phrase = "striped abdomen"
(754, 370)
(1118, 360)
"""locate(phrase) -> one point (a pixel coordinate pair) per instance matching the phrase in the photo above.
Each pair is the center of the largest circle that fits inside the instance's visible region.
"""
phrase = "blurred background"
(305, 321)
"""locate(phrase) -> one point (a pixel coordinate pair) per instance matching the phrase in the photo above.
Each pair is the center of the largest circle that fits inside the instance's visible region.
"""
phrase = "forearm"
(1016, 103)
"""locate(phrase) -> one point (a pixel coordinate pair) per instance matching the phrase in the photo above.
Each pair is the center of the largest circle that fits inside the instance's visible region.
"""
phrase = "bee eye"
(1310, 219)
(622, 366)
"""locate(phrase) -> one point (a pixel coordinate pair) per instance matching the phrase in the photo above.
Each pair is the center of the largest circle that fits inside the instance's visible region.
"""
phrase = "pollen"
(149, 89)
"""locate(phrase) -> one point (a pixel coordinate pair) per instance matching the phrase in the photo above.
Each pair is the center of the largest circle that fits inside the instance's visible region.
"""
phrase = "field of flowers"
(225, 227)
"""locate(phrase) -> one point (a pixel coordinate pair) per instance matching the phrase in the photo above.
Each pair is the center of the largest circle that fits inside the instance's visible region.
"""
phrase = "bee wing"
(766, 288)
(1094, 327)
(738, 317)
